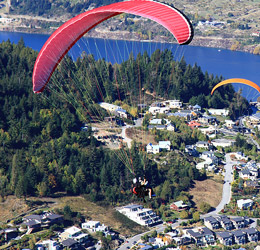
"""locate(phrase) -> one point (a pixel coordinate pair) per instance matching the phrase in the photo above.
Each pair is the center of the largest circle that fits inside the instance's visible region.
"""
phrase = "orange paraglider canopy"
(236, 80)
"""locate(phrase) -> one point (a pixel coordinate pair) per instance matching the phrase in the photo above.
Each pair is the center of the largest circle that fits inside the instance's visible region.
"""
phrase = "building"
(95, 226)
(212, 223)
(141, 215)
(239, 222)
(229, 123)
(222, 143)
(252, 234)
(74, 233)
(178, 206)
(239, 237)
(155, 149)
(203, 144)
(173, 104)
(225, 222)
(225, 238)
(244, 204)
(222, 112)
(207, 120)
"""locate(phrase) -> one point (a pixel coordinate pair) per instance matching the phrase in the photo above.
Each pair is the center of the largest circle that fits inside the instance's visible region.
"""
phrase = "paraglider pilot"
(141, 188)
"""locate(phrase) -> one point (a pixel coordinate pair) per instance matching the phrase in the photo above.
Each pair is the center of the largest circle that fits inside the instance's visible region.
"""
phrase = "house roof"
(195, 234)
(250, 230)
(238, 219)
(72, 230)
(207, 231)
(224, 235)
(32, 223)
(69, 242)
(54, 216)
(238, 233)
(211, 219)
(33, 217)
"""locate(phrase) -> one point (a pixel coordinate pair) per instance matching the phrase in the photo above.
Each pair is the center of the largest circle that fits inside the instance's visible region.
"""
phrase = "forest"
(44, 151)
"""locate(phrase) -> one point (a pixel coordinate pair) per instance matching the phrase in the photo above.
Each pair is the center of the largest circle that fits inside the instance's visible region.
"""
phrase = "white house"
(165, 145)
(222, 112)
(155, 149)
(140, 215)
(202, 144)
(73, 233)
(94, 226)
(223, 142)
(229, 123)
(244, 204)
(170, 127)
(160, 110)
(173, 104)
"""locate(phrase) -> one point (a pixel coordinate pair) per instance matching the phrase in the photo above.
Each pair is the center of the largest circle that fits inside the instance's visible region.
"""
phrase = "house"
(178, 206)
(165, 145)
(191, 150)
(239, 156)
(225, 222)
(209, 236)
(222, 112)
(239, 237)
(225, 238)
(48, 245)
(197, 237)
(209, 130)
(254, 119)
(244, 204)
(155, 149)
(9, 233)
(245, 173)
(196, 108)
(203, 144)
(252, 234)
(186, 114)
(75, 234)
(202, 236)
(223, 142)
(95, 226)
(159, 121)
(209, 155)
(229, 123)
(194, 124)
(121, 113)
(173, 104)
(239, 222)
(170, 127)
(207, 120)
(70, 243)
(212, 223)
(251, 184)
(141, 215)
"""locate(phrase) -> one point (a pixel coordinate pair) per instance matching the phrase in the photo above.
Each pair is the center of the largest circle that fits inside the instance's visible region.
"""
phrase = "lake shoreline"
(200, 41)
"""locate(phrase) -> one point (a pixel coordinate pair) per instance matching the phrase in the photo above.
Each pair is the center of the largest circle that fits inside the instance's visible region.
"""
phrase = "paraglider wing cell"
(236, 80)
(61, 41)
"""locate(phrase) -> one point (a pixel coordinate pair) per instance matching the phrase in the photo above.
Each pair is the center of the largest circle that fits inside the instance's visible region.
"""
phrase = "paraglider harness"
(141, 190)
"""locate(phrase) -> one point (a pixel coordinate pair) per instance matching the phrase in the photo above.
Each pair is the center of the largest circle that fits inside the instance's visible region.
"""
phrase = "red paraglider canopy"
(61, 41)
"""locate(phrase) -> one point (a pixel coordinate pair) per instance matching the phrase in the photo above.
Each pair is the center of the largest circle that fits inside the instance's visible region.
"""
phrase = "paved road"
(226, 193)
(129, 242)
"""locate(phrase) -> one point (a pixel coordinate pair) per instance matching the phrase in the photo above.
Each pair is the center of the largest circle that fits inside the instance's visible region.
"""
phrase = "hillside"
(233, 25)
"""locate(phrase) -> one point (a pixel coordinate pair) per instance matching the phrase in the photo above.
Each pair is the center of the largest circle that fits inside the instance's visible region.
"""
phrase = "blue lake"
(226, 63)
